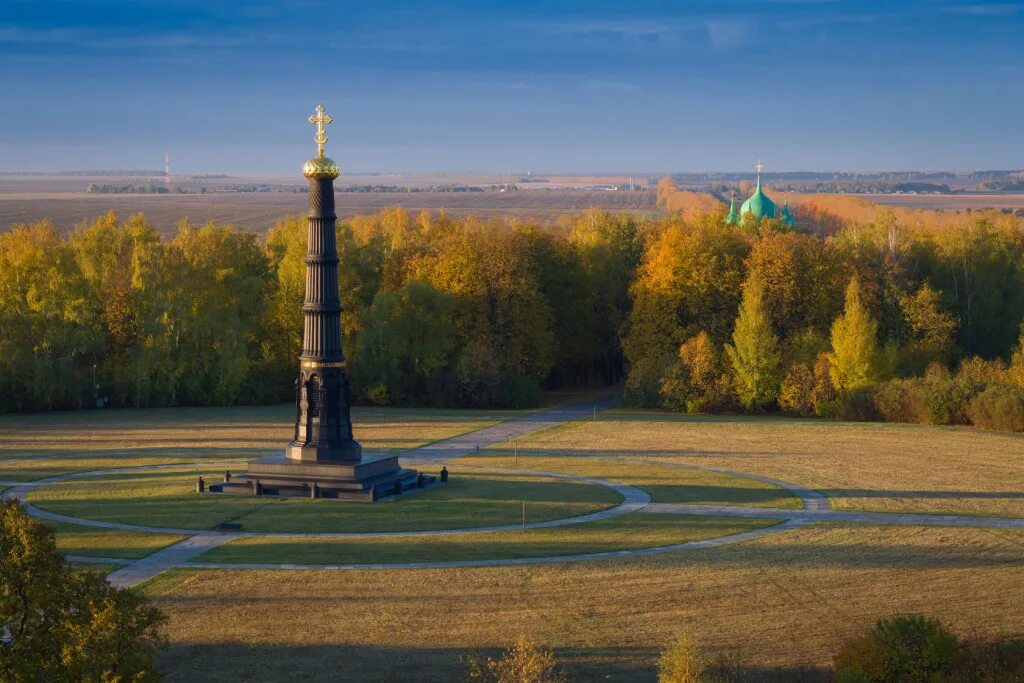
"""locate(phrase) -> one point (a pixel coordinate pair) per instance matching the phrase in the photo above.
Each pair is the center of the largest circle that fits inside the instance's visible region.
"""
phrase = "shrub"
(696, 382)
(945, 398)
(990, 661)
(523, 662)
(680, 662)
(824, 396)
(901, 400)
(1001, 407)
(644, 380)
(903, 648)
(796, 395)
(858, 405)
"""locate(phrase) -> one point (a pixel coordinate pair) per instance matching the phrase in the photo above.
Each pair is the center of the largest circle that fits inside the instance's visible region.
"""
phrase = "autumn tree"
(929, 330)
(854, 361)
(754, 353)
(65, 625)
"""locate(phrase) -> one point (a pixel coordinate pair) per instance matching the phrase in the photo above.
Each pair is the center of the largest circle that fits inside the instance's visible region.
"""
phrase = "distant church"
(759, 205)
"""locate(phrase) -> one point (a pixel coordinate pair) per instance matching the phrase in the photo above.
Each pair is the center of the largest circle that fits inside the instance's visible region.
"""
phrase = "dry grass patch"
(859, 466)
(75, 539)
(240, 432)
(637, 530)
(783, 601)
(666, 483)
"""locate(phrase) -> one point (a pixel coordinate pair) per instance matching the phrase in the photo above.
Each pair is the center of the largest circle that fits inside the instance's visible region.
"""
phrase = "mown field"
(780, 604)
(859, 466)
(257, 212)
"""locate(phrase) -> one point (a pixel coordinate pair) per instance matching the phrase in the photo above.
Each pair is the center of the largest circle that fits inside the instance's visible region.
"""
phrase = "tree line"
(888, 318)
(438, 311)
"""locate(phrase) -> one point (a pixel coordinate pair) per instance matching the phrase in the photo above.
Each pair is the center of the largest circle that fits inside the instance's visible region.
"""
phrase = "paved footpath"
(517, 427)
(815, 508)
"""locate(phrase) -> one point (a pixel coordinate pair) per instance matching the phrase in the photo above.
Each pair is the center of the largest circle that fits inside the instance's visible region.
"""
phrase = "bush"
(1001, 407)
(897, 650)
(858, 405)
(523, 662)
(796, 395)
(680, 662)
(824, 396)
(990, 661)
(901, 400)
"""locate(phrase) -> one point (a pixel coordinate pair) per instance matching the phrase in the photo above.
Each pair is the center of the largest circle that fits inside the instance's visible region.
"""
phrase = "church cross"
(321, 119)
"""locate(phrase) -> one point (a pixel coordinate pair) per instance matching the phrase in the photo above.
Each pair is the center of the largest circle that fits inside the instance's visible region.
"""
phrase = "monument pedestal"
(367, 479)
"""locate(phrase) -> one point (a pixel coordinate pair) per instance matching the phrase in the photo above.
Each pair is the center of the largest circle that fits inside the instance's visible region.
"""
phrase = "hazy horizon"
(581, 87)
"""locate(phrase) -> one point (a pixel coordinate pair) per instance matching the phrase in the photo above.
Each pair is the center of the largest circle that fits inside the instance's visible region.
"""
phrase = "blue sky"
(546, 86)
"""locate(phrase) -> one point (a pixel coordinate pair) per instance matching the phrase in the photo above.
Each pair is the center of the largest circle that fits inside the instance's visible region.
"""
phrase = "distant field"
(259, 211)
(945, 202)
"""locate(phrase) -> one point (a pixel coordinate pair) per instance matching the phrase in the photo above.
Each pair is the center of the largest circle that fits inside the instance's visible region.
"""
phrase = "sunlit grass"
(469, 499)
(76, 539)
(782, 601)
(859, 466)
(637, 530)
(664, 483)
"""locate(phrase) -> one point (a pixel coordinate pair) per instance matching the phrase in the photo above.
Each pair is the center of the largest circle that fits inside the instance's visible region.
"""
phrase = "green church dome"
(758, 204)
(733, 218)
(787, 217)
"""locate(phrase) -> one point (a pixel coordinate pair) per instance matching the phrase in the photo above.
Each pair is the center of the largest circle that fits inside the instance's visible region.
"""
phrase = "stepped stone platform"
(367, 479)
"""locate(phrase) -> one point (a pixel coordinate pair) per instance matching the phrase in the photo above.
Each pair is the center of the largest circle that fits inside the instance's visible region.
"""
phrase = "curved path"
(815, 508)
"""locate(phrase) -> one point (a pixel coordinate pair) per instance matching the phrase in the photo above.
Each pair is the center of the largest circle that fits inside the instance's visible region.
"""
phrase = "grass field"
(878, 467)
(75, 539)
(65, 442)
(636, 530)
(472, 499)
(664, 483)
(779, 603)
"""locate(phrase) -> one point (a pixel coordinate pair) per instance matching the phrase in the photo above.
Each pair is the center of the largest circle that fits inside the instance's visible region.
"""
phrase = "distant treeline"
(127, 188)
(407, 188)
(865, 188)
(1003, 185)
(440, 311)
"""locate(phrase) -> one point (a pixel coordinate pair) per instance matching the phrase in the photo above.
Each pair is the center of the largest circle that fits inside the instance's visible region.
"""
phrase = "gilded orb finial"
(320, 119)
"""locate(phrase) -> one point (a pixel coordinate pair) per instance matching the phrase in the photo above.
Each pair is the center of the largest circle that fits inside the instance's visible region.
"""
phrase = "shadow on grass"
(266, 662)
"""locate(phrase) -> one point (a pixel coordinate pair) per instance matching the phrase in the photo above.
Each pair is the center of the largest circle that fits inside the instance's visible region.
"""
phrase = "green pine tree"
(855, 359)
(755, 350)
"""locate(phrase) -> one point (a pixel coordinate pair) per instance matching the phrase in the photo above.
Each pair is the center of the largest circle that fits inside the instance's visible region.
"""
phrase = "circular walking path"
(815, 508)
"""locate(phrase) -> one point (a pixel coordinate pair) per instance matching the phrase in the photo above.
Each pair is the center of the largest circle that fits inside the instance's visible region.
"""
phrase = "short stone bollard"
(314, 491)
(444, 474)
(200, 486)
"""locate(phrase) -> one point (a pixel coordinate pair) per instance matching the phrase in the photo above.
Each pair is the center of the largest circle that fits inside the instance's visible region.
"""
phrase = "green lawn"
(636, 530)
(665, 483)
(76, 539)
(469, 499)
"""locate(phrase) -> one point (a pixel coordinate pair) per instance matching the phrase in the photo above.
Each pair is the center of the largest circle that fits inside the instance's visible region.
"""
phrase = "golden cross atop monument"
(320, 119)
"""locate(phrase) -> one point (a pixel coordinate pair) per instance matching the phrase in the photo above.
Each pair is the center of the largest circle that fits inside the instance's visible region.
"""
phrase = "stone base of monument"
(367, 479)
